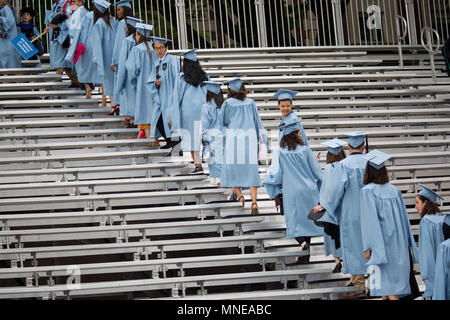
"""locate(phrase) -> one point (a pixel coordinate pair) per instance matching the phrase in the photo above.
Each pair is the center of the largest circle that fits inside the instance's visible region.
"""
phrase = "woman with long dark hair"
(212, 135)
(123, 9)
(386, 232)
(243, 131)
(9, 57)
(430, 235)
(124, 88)
(104, 33)
(188, 98)
(139, 64)
(297, 175)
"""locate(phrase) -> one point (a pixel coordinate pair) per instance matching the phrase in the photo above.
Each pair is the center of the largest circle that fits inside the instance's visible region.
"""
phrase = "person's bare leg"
(103, 97)
(147, 133)
(254, 195)
(196, 158)
(88, 91)
(393, 298)
(337, 260)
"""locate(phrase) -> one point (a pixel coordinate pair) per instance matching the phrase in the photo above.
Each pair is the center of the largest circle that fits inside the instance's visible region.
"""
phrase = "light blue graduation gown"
(441, 289)
(139, 64)
(124, 88)
(297, 175)
(386, 231)
(86, 70)
(343, 190)
(57, 52)
(213, 135)
(331, 217)
(186, 112)
(168, 69)
(290, 117)
(9, 56)
(119, 40)
(430, 236)
(103, 45)
(240, 121)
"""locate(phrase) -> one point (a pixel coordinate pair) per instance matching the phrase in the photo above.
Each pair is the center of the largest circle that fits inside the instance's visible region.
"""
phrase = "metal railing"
(282, 23)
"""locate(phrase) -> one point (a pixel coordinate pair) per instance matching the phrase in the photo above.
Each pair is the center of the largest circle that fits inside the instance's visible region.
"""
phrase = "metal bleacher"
(88, 211)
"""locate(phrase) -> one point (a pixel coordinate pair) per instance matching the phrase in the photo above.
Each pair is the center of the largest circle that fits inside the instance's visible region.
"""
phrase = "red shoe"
(141, 135)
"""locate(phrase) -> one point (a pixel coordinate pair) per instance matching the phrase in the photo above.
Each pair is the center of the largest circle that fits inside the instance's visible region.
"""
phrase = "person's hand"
(170, 124)
(316, 209)
(53, 26)
(157, 83)
(367, 254)
(46, 30)
(95, 64)
(113, 69)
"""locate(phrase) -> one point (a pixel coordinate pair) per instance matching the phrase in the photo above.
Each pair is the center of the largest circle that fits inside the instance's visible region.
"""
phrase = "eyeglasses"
(159, 48)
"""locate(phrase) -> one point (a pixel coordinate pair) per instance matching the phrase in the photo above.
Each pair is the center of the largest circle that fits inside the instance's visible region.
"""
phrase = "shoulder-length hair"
(218, 98)
(332, 158)
(127, 12)
(429, 208)
(292, 140)
(105, 16)
(241, 94)
(377, 176)
(193, 73)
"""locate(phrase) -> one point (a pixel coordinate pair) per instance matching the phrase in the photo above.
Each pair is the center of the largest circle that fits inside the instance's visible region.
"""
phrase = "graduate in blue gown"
(80, 31)
(285, 98)
(212, 135)
(188, 97)
(243, 131)
(9, 56)
(430, 235)
(162, 83)
(139, 65)
(441, 289)
(104, 33)
(335, 154)
(123, 9)
(30, 31)
(58, 30)
(124, 88)
(296, 174)
(386, 232)
(343, 190)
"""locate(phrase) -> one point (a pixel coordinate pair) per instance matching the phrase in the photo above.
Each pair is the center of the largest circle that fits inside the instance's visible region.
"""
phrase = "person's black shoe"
(233, 197)
(131, 126)
(337, 268)
(197, 170)
(304, 259)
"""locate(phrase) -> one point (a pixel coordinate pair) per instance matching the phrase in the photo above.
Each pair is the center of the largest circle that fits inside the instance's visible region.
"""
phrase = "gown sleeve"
(260, 125)
(427, 249)
(407, 228)
(315, 168)
(97, 50)
(273, 180)
(122, 72)
(8, 20)
(372, 235)
(441, 275)
(133, 67)
(176, 102)
(329, 216)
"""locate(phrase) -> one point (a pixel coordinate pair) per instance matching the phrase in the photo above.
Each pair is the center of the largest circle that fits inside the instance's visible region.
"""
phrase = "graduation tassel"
(367, 144)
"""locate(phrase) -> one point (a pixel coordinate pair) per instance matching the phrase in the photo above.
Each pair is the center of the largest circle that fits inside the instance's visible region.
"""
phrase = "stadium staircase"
(89, 211)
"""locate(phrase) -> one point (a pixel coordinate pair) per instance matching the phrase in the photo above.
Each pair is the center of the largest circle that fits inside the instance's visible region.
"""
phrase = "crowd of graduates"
(362, 217)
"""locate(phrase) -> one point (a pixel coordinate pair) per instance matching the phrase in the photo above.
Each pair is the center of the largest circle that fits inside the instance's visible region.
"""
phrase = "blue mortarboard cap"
(285, 94)
(160, 40)
(356, 138)
(236, 83)
(49, 15)
(289, 124)
(429, 194)
(101, 5)
(447, 219)
(123, 3)
(144, 29)
(190, 55)
(377, 158)
(212, 86)
(132, 21)
(334, 146)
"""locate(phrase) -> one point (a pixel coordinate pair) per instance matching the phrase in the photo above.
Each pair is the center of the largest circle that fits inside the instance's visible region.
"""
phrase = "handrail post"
(181, 24)
(337, 20)
(401, 37)
(427, 31)
(261, 23)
